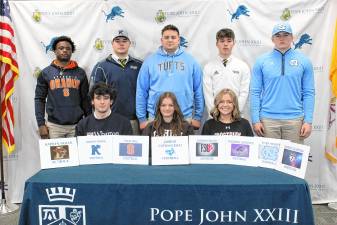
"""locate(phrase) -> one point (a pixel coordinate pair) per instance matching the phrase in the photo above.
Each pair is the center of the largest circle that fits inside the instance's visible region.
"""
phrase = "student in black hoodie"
(169, 120)
(61, 91)
(226, 117)
(102, 121)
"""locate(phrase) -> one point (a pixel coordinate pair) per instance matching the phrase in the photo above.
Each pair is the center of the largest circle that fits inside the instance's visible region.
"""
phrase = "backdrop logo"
(286, 15)
(160, 16)
(61, 214)
(304, 39)
(183, 42)
(307, 11)
(241, 10)
(37, 72)
(49, 47)
(99, 45)
(115, 11)
(249, 42)
(37, 16)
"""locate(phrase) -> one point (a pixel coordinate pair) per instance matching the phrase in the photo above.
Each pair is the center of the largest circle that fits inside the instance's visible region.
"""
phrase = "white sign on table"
(241, 150)
(61, 152)
(293, 159)
(205, 149)
(131, 150)
(170, 150)
(95, 149)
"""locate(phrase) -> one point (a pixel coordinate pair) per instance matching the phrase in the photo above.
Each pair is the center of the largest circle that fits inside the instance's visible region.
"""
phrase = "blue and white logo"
(115, 11)
(94, 149)
(49, 47)
(304, 39)
(183, 42)
(241, 10)
(169, 151)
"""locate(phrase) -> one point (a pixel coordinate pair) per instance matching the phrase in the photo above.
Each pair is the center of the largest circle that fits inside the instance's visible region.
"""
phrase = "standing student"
(226, 71)
(62, 91)
(282, 90)
(120, 70)
(170, 69)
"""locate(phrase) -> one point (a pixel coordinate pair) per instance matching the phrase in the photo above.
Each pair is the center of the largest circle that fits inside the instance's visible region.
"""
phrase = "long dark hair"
(177, 120)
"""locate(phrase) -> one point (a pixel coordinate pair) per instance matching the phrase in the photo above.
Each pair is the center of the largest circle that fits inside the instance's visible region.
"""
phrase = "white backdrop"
(37, 22)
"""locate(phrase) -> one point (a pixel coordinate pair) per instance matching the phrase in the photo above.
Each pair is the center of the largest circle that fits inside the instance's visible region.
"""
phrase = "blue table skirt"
(146, 195)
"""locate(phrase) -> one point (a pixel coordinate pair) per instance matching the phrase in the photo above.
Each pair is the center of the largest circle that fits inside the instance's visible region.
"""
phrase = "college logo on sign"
(49, 47)
(169, 151)
(268, 152)
(207, 149)
(115, 11)
(183, 42)
(304, 39)
(286, 15)
(61, 214)
(241, 10)
(130, 149)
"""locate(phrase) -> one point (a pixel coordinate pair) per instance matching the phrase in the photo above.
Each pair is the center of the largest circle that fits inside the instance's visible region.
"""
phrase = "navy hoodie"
(63, 94)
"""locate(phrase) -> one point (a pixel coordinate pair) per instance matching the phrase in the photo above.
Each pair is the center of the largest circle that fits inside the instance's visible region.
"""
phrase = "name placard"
(170, 150)
(206, 149)
(55, 153)
(131, 150)
(241, 150)
(95, 149)
(293, 159)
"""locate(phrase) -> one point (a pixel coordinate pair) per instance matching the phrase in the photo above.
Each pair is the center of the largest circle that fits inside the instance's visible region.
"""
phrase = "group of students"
(165, 94)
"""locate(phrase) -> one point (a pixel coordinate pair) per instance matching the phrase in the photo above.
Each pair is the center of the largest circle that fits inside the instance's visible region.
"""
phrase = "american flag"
(9, 73)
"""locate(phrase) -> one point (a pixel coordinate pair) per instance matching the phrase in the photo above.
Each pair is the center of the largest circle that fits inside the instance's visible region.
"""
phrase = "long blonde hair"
(177, 120)
(218, 98)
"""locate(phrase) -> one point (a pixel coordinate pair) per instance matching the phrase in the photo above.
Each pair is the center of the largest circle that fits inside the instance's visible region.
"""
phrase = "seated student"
(102, 121)
(226, 117)
(168, 121)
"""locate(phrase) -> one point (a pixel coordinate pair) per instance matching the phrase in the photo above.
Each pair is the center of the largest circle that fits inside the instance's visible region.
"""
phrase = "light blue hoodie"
(178, 73)
(282, 87)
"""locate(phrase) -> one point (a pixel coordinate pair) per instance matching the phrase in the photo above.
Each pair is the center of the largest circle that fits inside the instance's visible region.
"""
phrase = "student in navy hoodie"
(102, 121)
(61, 91)
(170, 69)
(120, 70)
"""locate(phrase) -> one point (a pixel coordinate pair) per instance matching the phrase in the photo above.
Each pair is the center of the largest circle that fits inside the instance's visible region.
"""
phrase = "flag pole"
(5, 207)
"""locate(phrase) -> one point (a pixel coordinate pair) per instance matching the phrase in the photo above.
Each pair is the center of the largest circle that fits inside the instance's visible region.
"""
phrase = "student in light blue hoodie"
(170, 69)
(282, 92)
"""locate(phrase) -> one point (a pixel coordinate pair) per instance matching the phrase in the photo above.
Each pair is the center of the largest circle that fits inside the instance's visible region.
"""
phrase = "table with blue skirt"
(151, 195)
